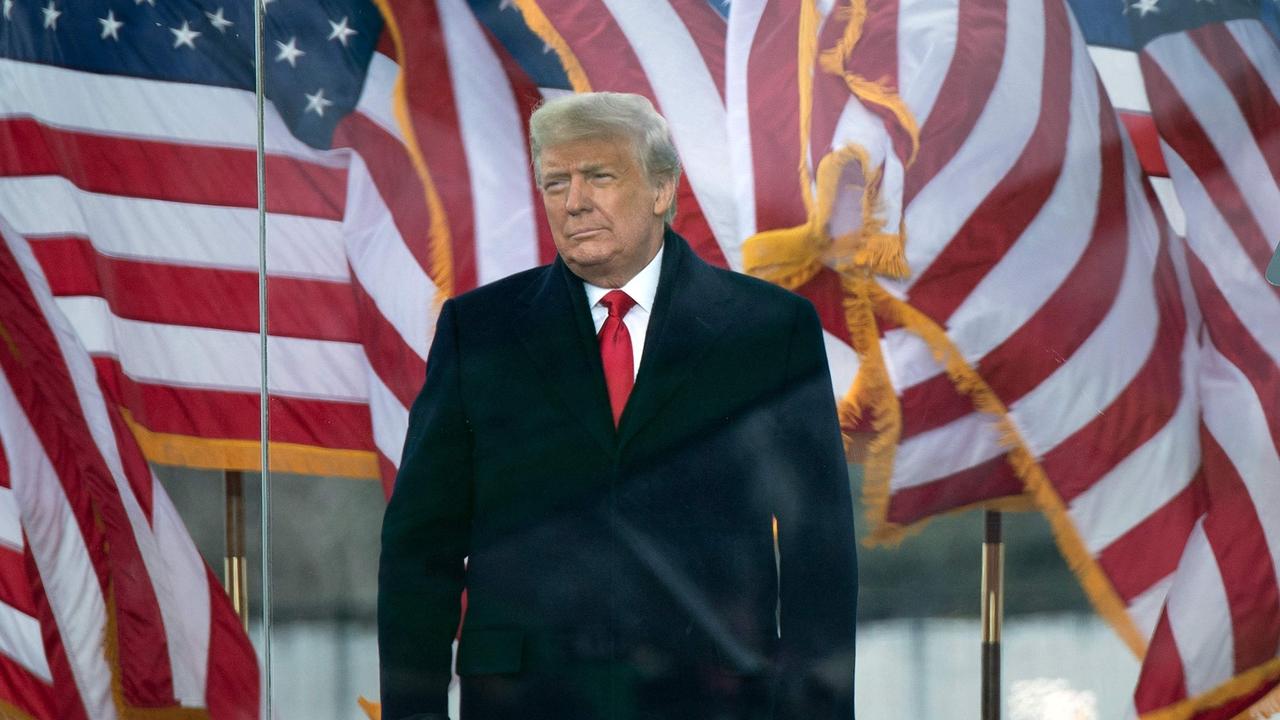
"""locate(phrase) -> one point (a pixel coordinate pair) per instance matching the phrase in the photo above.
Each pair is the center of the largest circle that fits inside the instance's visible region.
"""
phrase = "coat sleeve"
(818, 573)
(425, 539)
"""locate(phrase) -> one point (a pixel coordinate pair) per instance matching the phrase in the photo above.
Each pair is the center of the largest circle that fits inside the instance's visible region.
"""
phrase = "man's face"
(605, 217)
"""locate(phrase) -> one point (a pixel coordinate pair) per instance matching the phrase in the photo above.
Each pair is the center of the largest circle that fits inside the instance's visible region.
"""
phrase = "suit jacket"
(628, 573)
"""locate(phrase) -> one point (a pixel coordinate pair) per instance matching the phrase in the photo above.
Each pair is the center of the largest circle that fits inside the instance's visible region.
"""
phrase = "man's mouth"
(585, 234)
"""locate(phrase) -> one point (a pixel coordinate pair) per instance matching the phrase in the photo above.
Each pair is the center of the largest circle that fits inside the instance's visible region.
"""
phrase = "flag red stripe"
(981, 35)
(24, 691)
(1236, 343)
(231, 689)
(775, 136)
(1004, 215)
(174, 172)
(162, 292)
(1239, 545)
(984, 481)
(707, 29)
(1034, 351)
(45, 392)
(1161, 680)
(1149, 551)
(827, 294)
(1253, 97)
(434, 114)
(1140, 411)
(400, 368)
(387, 471)
(1146, 141)
(1184, 134)
(15, 586)
(224, 414)
(395, 179)
(830, 93)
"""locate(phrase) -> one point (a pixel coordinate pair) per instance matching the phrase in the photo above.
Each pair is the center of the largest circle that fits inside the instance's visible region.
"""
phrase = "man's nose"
(578, 199)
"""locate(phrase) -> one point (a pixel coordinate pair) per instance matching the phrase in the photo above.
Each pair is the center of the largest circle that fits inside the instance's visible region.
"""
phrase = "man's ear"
(664, 197)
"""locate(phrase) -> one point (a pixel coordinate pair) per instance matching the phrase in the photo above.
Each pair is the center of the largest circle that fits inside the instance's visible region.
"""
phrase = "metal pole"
(992, 615)
(235, 566)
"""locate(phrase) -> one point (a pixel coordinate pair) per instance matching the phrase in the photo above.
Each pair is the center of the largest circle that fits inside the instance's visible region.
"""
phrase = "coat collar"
(689, 312)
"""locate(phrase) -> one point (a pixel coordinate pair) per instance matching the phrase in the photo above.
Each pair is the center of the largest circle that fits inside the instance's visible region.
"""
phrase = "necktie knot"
(617, 302)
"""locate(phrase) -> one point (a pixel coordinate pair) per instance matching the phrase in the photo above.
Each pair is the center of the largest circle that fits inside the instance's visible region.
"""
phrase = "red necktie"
(615, 351)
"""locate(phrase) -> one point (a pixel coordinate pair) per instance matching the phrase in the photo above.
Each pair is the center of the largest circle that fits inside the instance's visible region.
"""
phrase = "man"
(598, 455)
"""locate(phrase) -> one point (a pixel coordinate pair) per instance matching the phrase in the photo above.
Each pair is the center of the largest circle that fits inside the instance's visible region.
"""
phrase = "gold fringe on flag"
(541, 26)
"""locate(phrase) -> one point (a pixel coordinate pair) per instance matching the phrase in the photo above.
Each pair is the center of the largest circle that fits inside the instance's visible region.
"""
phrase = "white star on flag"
(219, 22)
(317, 103)
(184, 36)
(110, 26)
(341, 32)
(152, 3)
(289, 52)
(51, 16)
(1146, 6)
(8, 8)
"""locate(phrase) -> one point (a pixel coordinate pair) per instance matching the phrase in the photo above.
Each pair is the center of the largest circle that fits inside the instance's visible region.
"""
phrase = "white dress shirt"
(642, 288)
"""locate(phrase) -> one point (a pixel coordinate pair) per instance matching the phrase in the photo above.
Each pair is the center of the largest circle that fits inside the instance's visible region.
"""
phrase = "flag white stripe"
(20, 640)
(1168, 198)
(10, 520)
(1216, 111)
(182, 586)
(382, 264)
(1122, 77)
(1237, 419)
(145, 109)
(1200, 617)
(376, 95)
(506, 239)
(1233, 271)
(927, 31)
(1146, 608)
(218, 359)
(990, 150)
(172, 232)
(390, 420)
(942, 451)
(1147, 478)
(842, 361)
(907, 358)
(743, 21)
(687, 96)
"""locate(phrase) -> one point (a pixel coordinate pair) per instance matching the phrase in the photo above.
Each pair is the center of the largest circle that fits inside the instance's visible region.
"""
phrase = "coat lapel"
(555, 327)
(690, 312)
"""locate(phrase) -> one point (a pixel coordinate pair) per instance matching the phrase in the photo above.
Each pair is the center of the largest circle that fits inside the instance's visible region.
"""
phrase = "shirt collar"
(642, 288)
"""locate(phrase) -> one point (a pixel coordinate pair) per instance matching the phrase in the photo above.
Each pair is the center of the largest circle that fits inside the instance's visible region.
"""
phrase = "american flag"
(129, 162)
(1042, 342)
(1201, 84)
(106, 608)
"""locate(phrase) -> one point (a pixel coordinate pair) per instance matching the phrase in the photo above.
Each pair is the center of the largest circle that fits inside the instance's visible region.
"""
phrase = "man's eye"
(553, 185)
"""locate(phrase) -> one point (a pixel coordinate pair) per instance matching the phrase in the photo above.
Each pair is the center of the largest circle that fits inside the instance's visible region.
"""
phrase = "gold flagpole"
(992, 615)
(235, 567)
